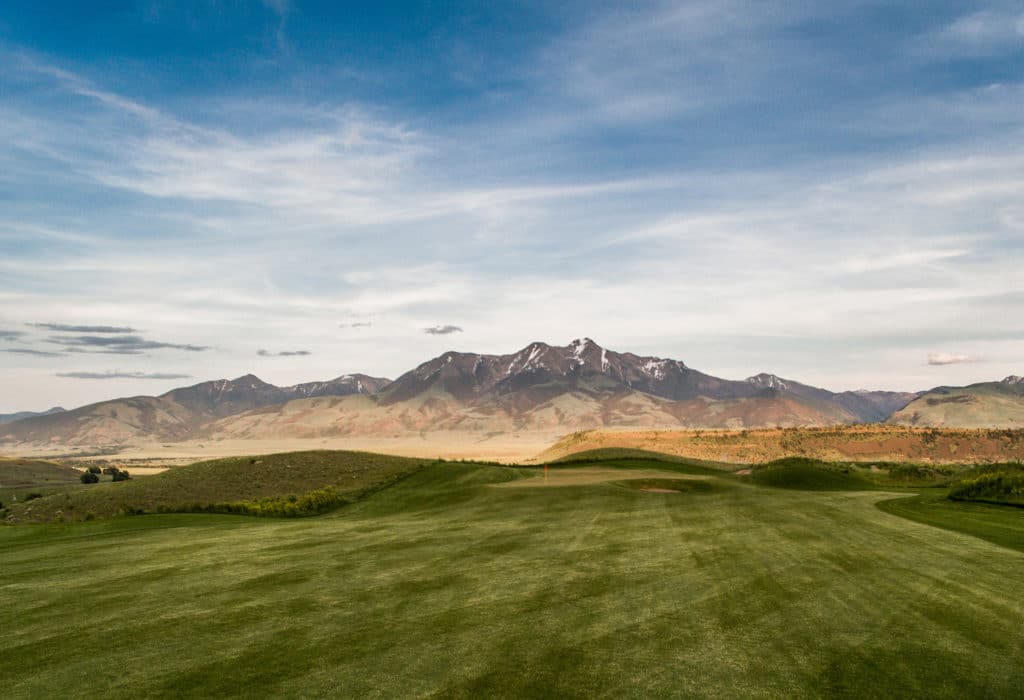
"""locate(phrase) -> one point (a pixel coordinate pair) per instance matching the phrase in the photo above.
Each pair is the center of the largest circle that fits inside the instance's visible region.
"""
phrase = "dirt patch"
(744, 472)
(655, 490)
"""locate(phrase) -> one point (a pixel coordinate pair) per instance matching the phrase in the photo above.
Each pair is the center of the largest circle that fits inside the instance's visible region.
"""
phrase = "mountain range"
(11, 417)
(177, 415)
(541, 387)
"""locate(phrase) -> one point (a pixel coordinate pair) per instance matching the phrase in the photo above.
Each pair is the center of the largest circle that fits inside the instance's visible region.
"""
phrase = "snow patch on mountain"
(768, 381)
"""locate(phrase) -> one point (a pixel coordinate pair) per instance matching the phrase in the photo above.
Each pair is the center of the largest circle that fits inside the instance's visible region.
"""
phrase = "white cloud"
(949, 358)
(280, 7)
(983, 32)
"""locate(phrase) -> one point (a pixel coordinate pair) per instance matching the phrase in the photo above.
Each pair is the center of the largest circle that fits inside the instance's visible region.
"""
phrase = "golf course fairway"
(443, 585)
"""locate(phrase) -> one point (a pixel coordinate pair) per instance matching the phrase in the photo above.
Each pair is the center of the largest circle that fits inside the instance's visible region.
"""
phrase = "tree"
(93, 470)
(89, 478)
(121, 475)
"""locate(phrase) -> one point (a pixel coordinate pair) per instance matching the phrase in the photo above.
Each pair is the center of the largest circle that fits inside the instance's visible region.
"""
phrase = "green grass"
(21, 477)
(218, 484)
(628, 454)
(809, 475)
(443, 586)
(30, 472)
(696, 486)
(997, 524)
(641, 461)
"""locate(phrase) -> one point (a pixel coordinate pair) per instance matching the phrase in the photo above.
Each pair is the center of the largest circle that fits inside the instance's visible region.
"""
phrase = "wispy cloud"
(442, 330)
(980, 33)
(284, 353)
(949, 358)
(30, 351)
(358, 324)
(116, 344)
(280, 7)
(10, 335)
(122, 375)
(66, 328)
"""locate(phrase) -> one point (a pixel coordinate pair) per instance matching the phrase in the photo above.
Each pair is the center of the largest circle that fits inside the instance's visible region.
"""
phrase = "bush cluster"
(312, 503)
(117, 474)
(90, 477)
(994, 487)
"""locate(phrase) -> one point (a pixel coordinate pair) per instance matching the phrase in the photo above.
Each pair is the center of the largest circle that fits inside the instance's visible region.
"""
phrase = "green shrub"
(89, 478)
(33, 496)
(312, 503)
(120, 475)
(94, 470)
(992, 487)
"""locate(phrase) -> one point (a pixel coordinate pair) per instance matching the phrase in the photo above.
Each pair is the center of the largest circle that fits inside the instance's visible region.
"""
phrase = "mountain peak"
(764, 380)
(246, 381)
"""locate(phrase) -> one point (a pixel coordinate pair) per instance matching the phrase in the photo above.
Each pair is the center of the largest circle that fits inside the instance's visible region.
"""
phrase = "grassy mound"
(295, 483)
(31, 472)
(617, 454)
(22, 479)
(809, 475)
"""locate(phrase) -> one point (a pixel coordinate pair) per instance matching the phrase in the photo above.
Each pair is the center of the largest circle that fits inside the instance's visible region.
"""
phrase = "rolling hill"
(209, 485)
(984, 405)
(176, 415)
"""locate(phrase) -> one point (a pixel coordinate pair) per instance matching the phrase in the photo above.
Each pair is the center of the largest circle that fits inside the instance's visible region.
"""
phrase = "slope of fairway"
(238, 479)
(1002, 525)
(443, 586)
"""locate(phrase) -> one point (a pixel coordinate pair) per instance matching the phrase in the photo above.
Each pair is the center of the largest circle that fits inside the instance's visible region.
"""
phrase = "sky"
(833, 192)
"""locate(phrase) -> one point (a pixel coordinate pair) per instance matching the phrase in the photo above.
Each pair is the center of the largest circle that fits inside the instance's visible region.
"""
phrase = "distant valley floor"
(883, 443)
(505, 447)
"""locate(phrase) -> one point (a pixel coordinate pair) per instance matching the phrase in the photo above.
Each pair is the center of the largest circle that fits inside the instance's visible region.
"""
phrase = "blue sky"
(830, 191)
